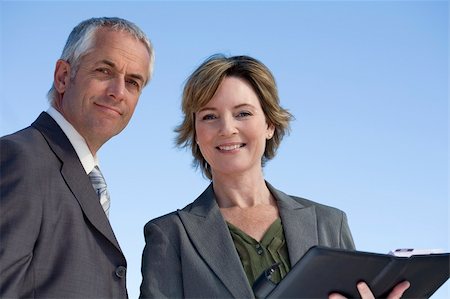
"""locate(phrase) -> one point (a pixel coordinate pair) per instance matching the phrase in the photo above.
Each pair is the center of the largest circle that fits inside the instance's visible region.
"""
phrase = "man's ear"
(61, 76)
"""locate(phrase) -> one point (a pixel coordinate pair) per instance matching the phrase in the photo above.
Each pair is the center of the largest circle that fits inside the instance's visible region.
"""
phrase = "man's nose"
(116, 88)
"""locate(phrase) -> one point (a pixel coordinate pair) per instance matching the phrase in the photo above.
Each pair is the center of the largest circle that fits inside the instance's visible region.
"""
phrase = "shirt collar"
(78, 142)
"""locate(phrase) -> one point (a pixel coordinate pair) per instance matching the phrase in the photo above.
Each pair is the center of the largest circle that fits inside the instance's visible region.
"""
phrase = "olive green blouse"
(256, 256)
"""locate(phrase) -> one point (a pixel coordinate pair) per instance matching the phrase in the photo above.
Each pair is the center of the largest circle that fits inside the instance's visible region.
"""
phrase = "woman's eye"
(208, 117)
(243, 114)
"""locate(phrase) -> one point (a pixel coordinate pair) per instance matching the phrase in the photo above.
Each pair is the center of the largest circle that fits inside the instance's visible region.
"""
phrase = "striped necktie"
(99, 184)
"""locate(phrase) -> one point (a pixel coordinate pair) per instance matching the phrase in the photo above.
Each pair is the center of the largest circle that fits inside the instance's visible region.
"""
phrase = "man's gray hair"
(81, 40)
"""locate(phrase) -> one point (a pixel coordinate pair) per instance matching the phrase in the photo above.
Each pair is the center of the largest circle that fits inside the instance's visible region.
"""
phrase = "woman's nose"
(228, 126)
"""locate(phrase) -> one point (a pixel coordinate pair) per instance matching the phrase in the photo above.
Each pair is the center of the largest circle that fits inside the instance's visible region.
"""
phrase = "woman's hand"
(366, 293)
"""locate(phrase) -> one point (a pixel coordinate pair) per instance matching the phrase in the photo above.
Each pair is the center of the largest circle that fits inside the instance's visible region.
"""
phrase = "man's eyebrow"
(113, 65)
(108, 62)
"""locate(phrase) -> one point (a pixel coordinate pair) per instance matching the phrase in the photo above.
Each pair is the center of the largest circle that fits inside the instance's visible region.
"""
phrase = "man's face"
(100, 100)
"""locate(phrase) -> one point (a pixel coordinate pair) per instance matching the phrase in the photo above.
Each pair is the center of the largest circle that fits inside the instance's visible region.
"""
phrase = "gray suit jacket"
(55, 239)
(190, 253)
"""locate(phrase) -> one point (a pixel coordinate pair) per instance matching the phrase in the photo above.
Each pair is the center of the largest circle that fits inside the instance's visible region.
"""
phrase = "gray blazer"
(190, 253)
(56, 241)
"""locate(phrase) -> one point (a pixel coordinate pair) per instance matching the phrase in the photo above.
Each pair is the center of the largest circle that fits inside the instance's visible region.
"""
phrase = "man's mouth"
(110, 108)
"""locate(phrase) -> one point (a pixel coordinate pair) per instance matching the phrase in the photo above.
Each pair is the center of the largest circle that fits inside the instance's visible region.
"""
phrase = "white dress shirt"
(79, 144)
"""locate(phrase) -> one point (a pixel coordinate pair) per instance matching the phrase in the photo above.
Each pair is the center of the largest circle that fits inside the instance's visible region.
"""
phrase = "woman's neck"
(241, 191)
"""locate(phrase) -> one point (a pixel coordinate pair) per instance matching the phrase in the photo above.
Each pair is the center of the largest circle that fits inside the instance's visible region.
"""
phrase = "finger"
(364, 291)
(336, 296)
(398, 290)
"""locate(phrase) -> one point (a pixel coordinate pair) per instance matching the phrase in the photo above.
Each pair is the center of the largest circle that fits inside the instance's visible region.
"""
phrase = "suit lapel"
(299, 224)
(209, 234)
(75, 175)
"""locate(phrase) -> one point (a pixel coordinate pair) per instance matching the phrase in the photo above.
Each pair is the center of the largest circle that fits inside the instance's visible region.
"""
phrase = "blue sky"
(366, 80)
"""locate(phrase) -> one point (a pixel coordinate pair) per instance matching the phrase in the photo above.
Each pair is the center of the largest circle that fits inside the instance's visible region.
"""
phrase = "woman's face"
(232, 129)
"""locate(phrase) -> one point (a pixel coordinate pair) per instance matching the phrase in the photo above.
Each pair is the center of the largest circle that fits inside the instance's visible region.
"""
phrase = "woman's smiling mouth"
(230, 147)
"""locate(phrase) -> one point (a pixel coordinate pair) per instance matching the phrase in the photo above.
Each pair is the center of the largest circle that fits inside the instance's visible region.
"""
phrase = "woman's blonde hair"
(201, 86)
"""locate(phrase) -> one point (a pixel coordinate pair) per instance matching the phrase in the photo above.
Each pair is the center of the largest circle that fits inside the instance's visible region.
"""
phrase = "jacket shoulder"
(320, 208)
(163, 219)
(301, 202)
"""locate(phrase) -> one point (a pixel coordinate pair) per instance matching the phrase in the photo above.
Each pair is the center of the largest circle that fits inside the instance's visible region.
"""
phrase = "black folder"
(323, 270)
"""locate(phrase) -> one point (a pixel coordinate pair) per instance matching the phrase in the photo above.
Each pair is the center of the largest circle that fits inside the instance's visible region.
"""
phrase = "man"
(55, 237)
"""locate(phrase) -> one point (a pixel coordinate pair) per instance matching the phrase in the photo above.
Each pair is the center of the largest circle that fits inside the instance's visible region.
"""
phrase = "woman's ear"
(62, 76)
(270, 131)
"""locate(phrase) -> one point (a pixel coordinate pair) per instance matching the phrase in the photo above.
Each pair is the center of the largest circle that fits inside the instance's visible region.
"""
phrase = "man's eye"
(103, 71)
(134, 83)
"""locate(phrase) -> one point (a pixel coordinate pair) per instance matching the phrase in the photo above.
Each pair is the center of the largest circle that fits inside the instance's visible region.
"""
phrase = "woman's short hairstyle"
(81, 40)
(201, 86)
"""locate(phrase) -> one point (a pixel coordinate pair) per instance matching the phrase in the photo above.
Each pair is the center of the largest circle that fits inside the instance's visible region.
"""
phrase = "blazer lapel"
(75, 175)
(299, 224)
(209, 234)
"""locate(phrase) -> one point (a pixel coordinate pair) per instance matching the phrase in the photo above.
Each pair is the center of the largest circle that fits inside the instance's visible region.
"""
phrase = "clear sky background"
(366, 81)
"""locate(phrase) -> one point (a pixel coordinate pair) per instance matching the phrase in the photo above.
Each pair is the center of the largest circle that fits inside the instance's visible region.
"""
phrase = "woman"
(240, 225)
